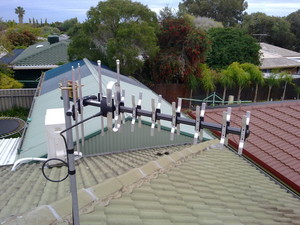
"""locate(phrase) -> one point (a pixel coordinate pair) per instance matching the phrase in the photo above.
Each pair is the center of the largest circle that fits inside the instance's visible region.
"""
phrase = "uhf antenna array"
(112, 107)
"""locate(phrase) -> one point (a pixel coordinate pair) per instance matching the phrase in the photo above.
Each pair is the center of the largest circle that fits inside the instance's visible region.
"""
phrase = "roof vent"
(39, 46)
(53, 39)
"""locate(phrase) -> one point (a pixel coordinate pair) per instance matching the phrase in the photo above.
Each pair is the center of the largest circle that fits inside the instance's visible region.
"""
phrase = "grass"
(21, 113)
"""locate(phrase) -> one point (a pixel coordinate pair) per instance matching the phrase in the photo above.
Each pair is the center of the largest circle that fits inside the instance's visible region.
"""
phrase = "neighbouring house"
(273, 57)
(199, 184)
(274, 140)
(38, 58)
(34, 142)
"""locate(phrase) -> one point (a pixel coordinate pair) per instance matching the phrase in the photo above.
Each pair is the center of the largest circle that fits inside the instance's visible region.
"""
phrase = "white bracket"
(228, 116)
(139, 106)
(202, 112)
(245, 125)
(133, 113)
(197, 125)
(173, 123)
(178, 114)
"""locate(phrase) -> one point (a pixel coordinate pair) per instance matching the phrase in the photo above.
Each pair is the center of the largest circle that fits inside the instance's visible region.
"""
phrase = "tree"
(231, 45)
(20, 12)
(272, 80)
(286, 78)
(256, 76)
(119, 29)
(182, 49)
(226, 80)
(229, 12)
(270, 29)
(208, 79)
(23, 35)
(294, 19)
(240, 76)
(6, 78)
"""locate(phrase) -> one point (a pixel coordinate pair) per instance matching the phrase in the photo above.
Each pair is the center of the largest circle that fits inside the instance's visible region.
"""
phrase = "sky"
(60, 10)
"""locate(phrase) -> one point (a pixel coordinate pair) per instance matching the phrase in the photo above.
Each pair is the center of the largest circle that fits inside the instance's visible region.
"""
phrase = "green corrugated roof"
(43, 54)
(202, 184)
(34, 144)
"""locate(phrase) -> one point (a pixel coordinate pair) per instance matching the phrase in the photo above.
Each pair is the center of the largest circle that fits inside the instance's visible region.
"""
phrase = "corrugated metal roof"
(276, 57)
(8, 150)
(275, 138)
(202, 184)
(34, 144)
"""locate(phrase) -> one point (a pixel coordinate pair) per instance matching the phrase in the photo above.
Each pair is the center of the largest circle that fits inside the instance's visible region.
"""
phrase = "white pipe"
(23, 160)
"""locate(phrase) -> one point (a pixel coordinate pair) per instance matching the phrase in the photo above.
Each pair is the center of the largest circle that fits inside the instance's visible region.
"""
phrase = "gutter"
(30, 67)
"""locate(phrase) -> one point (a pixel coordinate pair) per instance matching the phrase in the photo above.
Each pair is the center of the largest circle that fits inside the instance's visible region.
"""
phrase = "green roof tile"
(168, 198)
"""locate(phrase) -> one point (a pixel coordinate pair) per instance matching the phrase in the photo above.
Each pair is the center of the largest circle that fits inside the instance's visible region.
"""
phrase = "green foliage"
(48, 30)
(7, 82)
(231, 45)
(118, 29)
(68, 24)
(240, 77)
(21, 113)
(208, 79)
(229, 12)
(286, 78)
(270, 29)
(255, 75)
(294, 19)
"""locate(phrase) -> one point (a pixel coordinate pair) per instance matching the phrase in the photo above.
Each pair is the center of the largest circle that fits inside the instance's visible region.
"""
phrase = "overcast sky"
(60, 10)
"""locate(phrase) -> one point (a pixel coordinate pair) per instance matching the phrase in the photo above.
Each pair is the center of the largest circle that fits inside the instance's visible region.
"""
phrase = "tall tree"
(231, 45)
(120, 29)
(272, 80)
(255, 75)
(229, 12)
(20, 12)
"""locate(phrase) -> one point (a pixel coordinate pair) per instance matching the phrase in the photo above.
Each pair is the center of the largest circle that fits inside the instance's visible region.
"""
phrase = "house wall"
(126, 140)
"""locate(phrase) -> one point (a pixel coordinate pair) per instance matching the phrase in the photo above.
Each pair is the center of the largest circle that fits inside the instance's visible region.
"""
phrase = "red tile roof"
(274, 142)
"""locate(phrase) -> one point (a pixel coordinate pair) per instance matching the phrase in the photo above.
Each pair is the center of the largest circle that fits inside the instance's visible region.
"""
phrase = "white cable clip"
(245, 126)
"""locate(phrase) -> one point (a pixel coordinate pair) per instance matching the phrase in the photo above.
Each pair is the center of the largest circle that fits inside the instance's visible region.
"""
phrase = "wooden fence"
(10, 98)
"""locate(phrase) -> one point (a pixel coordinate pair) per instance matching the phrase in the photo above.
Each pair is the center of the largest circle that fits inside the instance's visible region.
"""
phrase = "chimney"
(53, 39)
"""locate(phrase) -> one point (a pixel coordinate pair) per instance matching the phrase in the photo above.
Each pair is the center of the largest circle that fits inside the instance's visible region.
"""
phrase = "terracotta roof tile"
(274, 142)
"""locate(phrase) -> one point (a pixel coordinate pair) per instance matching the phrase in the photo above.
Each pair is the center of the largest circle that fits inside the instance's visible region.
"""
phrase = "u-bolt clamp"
(113, 105)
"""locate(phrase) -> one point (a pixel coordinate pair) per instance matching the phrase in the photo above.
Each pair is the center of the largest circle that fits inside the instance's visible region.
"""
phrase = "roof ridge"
(111, 188)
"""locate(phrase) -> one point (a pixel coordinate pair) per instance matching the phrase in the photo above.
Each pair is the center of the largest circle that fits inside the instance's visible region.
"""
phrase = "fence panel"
(10, 98)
